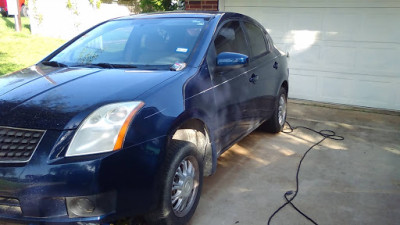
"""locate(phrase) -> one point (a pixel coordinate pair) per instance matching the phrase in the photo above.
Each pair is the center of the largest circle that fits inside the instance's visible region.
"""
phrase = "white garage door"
(341, 51)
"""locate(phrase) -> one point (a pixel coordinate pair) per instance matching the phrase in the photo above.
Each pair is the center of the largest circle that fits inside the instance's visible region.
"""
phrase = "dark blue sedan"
(124, 120)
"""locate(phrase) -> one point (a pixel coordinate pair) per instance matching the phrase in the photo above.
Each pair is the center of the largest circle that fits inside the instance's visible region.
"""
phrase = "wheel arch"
(285, 84)
(197, 132)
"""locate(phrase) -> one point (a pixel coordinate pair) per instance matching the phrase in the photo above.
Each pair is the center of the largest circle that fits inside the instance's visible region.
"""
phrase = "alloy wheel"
(185, 186)
(282, 109)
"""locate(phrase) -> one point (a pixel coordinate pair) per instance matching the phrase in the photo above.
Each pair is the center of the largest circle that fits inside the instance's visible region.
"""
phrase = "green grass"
(21, 49)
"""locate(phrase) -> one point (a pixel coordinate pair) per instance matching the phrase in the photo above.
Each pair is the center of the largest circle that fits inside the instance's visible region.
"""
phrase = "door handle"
(253, 78)
(276, 65)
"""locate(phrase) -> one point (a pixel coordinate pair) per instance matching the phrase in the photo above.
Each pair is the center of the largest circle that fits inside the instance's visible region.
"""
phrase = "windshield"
(134, 43)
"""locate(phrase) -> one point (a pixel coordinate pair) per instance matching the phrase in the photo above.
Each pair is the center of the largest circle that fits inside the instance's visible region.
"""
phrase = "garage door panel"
(365, 92)
(329, 88)
(279, 29)
(344, 88)
(354, 58)
(379, 60)
(363, 24)
(341, 26)
(396, 95)
(366, 59)
(305, 85)
(338, 58)
(343, 75)
(377, 92)
(308, 58)
(306, 19)
(355, 92)
(381, 25)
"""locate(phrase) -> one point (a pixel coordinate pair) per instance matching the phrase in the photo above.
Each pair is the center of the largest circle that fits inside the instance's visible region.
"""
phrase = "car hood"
(43, 97)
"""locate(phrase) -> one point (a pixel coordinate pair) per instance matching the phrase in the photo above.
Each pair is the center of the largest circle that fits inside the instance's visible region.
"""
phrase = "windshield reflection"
(138, 43)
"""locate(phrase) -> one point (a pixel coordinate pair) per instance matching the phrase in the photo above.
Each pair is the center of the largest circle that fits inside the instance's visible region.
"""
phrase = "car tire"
(24, 11)
(4, 13)
(276, 123)
(181, 183)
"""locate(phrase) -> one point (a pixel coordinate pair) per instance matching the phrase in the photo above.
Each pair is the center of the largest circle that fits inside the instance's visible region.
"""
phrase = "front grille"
(10, 206)
(18, 145)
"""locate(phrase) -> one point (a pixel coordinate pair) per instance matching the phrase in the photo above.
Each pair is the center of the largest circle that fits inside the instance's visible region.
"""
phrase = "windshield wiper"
(112, 66)
(53, 63)
(124, 66)
(103, 65)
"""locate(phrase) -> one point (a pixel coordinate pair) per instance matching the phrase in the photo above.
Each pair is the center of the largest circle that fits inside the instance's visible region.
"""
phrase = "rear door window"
(256, 39)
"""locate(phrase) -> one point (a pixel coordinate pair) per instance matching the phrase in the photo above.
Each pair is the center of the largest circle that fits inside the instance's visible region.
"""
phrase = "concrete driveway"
(356, 181)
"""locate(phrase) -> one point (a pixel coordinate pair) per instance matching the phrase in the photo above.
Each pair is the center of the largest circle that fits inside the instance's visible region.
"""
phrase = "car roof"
(182, 14)
(221, 16)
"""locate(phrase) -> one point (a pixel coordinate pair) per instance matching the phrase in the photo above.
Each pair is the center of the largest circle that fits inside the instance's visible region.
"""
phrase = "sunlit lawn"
(19, 50)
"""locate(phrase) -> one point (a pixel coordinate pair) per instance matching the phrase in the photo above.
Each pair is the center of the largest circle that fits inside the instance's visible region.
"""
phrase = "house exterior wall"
(207, 5)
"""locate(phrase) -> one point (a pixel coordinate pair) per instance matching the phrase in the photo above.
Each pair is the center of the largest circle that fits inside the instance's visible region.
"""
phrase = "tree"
(158, 5)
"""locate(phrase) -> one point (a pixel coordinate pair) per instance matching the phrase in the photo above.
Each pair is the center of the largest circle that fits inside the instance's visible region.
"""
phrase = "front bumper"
(112, 185)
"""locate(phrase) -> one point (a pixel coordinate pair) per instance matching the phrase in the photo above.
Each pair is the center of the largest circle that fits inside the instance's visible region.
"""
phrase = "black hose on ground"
(326, 134)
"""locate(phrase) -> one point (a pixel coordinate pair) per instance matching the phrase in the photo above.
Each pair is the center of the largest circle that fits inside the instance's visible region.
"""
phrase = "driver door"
(231, 92)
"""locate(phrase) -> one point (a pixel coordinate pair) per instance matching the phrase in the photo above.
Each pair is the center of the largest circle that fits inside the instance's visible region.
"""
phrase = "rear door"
(264, 75)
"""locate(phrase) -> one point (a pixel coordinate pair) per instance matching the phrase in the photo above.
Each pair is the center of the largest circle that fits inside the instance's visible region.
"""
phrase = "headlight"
(104, 129)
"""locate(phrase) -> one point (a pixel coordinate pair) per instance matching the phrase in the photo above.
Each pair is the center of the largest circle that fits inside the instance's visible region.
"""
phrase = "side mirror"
(231, 60)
